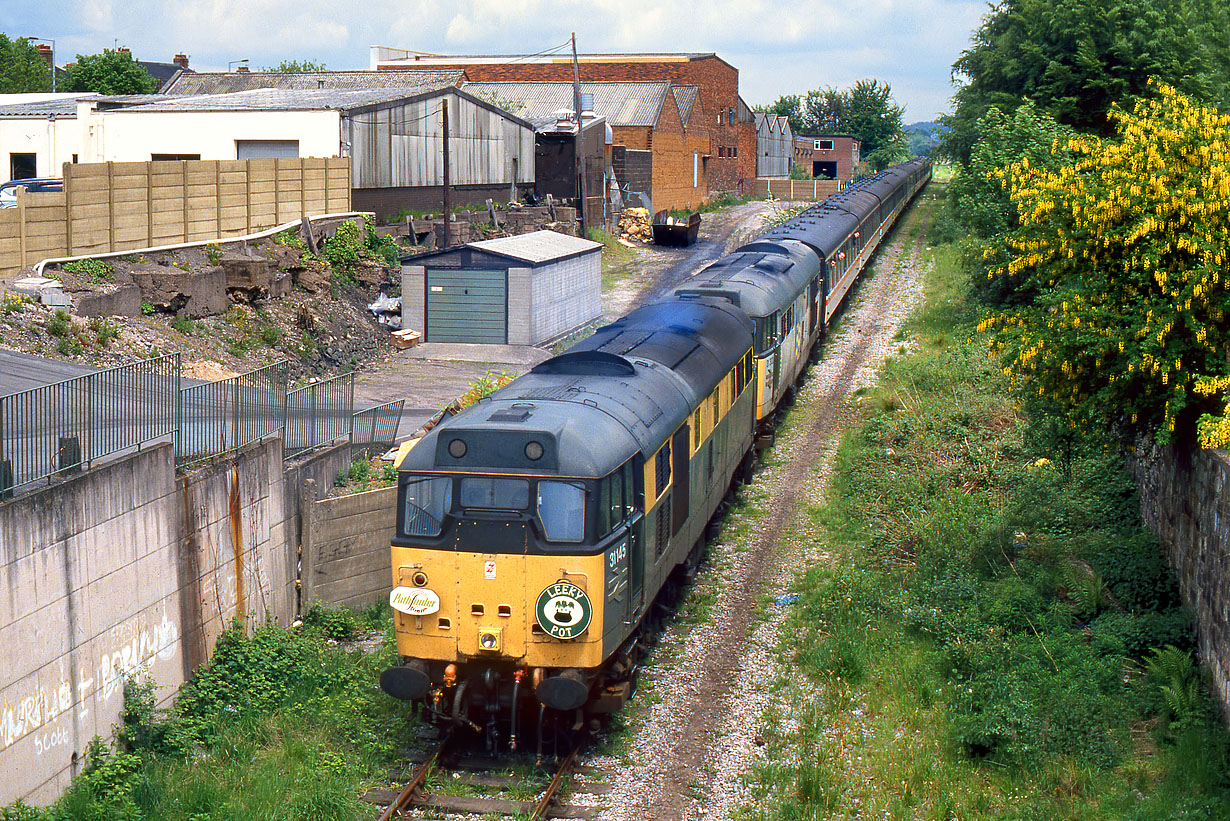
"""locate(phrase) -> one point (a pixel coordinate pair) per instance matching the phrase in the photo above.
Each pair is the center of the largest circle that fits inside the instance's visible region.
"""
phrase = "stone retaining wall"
(1183, 499)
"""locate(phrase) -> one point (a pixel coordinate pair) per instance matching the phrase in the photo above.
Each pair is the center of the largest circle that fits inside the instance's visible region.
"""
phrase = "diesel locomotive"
(535, 530)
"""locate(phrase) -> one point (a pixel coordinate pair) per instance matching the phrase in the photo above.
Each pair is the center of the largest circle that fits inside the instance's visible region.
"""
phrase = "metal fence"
(317, 414)
(375, 429)
(62, 427)
(223, 416)
(59, 428)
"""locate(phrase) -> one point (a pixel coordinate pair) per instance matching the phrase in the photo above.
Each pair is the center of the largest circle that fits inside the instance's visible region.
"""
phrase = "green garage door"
(467, 305)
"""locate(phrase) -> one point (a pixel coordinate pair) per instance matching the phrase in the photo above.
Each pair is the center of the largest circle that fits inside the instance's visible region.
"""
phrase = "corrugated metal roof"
(685, 99)
(538, 246)
(226, 82)
(275, 99)
(59, 107)
(622, 104)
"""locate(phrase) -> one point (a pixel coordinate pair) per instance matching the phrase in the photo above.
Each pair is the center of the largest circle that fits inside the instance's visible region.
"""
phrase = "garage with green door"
(522, 290)
(466, 305)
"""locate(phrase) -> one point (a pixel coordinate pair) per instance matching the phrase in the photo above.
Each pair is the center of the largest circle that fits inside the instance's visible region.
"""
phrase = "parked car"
(8, 191)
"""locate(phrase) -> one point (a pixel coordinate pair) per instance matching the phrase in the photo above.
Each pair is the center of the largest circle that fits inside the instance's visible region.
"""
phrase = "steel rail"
(404, 798)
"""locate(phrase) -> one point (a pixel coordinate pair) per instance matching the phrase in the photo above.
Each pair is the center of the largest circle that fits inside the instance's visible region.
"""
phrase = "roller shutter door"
(467, 305)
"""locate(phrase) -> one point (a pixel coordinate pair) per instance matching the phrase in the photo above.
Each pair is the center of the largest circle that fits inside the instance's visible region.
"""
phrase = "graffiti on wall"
(103, 679)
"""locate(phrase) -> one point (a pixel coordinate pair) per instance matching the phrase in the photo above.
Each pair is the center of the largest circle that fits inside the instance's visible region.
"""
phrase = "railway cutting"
(692, 745)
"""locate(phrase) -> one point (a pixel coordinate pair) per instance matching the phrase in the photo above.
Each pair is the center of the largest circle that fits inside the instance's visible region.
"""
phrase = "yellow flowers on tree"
(1124, 254)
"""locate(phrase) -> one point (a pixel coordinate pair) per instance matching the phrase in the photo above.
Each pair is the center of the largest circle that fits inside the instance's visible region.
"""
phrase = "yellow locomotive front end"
(511, 559)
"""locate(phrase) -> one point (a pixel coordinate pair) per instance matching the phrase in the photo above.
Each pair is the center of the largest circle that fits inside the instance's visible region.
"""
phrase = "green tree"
(293, 66)
(1125, 249)
(871, 115)
(866, 110)
(1075, 58)
(112, 72)
(22, 67)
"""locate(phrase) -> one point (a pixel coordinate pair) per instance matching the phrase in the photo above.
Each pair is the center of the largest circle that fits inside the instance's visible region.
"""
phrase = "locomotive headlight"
(457, 448)
(419, 579)
(489, 639)
(533, 451)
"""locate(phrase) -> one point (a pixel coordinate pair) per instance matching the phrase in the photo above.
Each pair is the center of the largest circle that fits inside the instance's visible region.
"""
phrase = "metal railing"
(55, 429)
(374, 430)
(318, 414)
(62, 427)
(223, 416)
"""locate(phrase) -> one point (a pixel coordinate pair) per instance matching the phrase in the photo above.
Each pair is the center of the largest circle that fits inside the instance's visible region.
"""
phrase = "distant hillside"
(923, 137)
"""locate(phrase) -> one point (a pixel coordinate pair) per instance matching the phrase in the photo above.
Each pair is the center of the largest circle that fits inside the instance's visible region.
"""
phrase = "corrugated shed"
(228, 82)
(621, 104)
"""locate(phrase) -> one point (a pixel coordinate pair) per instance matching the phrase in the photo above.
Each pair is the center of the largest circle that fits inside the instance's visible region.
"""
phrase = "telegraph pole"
(448, 196)
(579, 145)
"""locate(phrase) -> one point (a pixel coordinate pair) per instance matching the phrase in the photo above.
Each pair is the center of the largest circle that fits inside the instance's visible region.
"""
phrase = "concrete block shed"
(522, 290)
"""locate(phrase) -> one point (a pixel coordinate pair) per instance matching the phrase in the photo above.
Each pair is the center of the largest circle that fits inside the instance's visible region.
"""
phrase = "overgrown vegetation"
(990, 635)
(350, 244)
(93, 271)
(484, 385)
(280, 724)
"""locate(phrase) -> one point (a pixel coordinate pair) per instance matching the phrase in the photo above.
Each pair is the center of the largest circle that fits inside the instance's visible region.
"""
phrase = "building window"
(721, 151)
(173, 157)
(824, 145)
(734, 151)
(23, 166)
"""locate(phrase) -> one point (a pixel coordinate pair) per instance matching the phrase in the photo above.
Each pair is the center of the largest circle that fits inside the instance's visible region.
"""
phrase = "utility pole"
(579, 145)
(448, 195)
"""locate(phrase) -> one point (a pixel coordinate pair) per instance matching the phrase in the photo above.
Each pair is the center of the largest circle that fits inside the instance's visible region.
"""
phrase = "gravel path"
(696, 720)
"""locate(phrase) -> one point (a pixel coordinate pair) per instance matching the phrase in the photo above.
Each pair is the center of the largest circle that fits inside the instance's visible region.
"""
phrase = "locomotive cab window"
(425, 502)
(561, 510)
(491, 493)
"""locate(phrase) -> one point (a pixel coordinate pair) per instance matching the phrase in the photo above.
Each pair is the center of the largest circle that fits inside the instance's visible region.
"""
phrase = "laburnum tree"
(1126, 250)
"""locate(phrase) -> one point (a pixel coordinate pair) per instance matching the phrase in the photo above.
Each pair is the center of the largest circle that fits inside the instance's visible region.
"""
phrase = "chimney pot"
(241, 69)
(123, 50)
(181, 60)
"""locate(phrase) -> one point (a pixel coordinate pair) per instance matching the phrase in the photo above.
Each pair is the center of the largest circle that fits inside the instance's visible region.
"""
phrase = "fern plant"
(1178, 681)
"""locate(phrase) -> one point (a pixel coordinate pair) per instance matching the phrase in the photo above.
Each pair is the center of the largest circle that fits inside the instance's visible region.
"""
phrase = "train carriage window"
(561, 510)
(491, 493)
(426, 501)
(696, 429)
(602, 524)
(629, 490)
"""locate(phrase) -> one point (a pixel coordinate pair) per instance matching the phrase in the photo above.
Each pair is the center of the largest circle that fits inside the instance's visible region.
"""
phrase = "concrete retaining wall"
(346, 547)
(1183, 499)
(91, 582)
(126, 568)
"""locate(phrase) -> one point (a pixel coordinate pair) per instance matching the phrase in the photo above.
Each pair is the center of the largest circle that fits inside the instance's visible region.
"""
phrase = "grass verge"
(992, 636)
(280, 724)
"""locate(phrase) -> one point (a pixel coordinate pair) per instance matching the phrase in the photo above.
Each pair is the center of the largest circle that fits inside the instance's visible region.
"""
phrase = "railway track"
(484, 787)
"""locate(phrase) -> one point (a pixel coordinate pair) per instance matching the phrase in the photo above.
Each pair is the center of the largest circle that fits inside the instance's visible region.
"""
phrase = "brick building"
(727, 123)
(659, 131)
(835, 156)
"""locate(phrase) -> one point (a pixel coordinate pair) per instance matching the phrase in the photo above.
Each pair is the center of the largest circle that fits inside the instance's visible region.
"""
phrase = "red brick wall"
(675, 159)
(844, 152)
(747, 157)
(719, 92)
(633, 137)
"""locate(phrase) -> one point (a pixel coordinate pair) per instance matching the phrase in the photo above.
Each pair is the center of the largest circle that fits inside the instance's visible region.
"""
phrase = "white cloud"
(779, 46)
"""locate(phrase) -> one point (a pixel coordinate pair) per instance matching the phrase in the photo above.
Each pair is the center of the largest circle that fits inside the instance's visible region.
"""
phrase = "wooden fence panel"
(797, 190)
(108, 207)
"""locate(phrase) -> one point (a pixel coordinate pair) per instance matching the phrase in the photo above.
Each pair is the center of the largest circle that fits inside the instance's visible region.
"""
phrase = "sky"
(783, 47)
